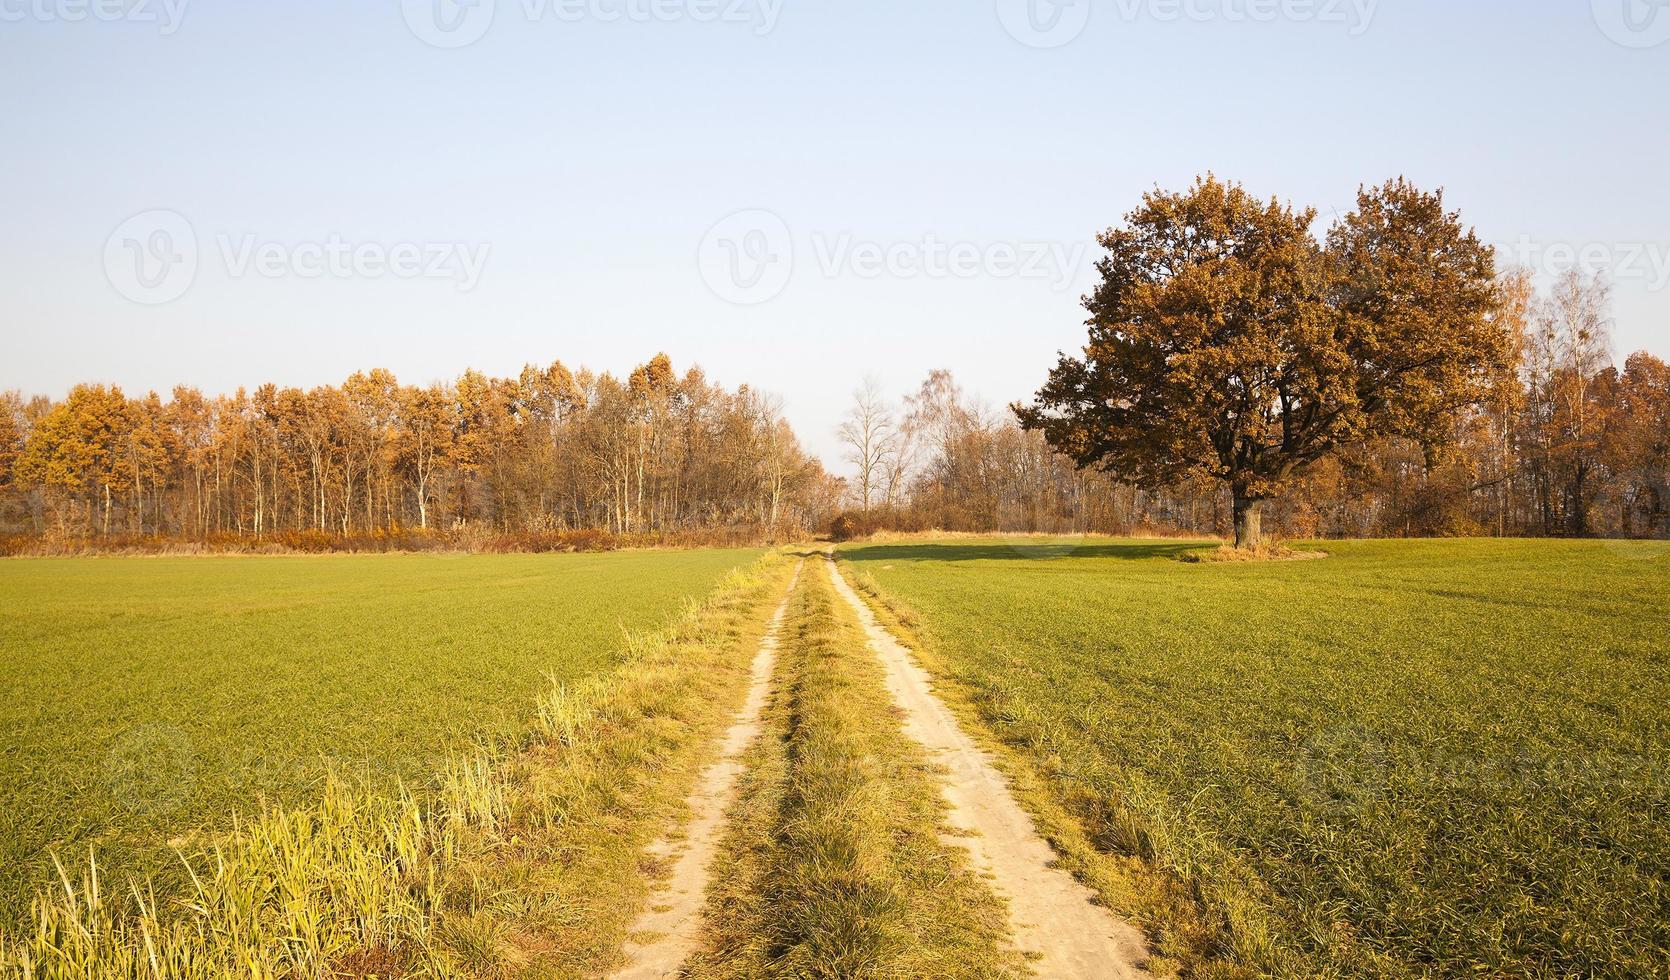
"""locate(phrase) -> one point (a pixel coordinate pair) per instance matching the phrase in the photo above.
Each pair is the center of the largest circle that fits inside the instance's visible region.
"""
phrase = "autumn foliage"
(1239, 367)
(1226, 341)
(549, 460)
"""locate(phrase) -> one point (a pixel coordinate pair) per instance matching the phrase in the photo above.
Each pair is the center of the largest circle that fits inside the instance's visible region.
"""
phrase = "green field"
(148, 701)
(1411, 758)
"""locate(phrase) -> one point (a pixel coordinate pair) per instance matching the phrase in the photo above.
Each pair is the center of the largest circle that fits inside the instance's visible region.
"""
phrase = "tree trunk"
(1579, 506)
(1249, 522)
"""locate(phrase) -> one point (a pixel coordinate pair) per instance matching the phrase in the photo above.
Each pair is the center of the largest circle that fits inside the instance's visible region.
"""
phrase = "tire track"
(672, 921)
(1054, 918)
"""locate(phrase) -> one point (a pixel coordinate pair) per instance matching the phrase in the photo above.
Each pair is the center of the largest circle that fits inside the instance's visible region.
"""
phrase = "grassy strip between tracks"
(837, 863)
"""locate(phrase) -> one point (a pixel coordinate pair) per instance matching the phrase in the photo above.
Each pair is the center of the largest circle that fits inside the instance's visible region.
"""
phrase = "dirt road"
(673, 918)
(1052, 916)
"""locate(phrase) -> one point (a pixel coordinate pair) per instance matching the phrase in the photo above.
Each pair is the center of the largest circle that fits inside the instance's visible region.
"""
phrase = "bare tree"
(900, 464)
(777, 451)
(872, 437)
(1574, 345)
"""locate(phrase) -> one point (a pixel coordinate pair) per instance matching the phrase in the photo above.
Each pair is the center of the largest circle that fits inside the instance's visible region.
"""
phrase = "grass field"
(1411, 758)
(148, 701)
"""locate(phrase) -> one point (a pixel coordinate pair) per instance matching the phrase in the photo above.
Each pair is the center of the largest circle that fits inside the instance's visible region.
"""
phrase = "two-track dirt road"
(1052, 917)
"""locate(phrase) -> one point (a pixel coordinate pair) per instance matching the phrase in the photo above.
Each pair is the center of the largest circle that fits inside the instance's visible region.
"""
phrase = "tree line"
(549, 452)
(1240, 374)
(1385, 381)
(1563, 458)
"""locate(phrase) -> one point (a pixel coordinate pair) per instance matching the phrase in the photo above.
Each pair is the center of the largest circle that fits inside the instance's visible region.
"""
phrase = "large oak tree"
(1226, 340)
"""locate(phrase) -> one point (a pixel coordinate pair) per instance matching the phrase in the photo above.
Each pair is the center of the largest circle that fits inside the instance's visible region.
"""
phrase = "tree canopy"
(546, 453)
(1227, 341)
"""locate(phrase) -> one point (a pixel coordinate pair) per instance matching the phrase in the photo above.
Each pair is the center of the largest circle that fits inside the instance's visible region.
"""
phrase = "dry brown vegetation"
(1263, 552)
(472, 540)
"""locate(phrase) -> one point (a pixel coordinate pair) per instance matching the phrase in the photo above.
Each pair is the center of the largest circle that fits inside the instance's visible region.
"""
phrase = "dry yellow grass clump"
(1263, 552)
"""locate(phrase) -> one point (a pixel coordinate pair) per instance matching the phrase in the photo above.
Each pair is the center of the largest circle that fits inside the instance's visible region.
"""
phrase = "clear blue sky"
(593, 154)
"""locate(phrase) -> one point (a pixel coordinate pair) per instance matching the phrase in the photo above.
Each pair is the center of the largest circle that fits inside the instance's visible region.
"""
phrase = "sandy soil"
(670, 926)
(1053, 917)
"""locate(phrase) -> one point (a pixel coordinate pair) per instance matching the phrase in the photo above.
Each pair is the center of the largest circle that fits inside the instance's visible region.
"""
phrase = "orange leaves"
(1224, 338)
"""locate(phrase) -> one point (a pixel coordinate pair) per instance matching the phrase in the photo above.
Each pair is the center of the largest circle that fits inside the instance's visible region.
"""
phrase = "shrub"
(851, 524)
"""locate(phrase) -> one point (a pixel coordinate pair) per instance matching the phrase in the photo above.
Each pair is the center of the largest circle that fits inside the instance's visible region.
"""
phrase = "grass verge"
(836, 863)
(521, 859)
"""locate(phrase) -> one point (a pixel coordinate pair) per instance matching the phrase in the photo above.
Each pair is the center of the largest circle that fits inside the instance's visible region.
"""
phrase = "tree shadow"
(1006, 551)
